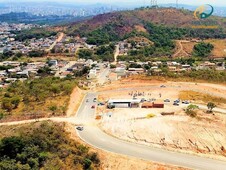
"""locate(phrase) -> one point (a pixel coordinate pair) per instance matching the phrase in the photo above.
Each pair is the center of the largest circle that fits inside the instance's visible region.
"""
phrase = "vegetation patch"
(44, 146)
(36, 98)
(197, 96)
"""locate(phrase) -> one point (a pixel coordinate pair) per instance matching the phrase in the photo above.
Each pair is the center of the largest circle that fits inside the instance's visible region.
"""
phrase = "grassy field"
(200, 97)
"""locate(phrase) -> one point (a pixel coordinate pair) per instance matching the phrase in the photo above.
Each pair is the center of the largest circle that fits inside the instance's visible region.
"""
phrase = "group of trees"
(209, 75)
(103, 35)
(36, 53)
(34, 92)
(202, 49)
(45, 146)
(104, 53)
(34, 33)
(191, 110)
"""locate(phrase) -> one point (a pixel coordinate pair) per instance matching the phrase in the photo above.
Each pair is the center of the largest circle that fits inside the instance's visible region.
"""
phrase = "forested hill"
(117, 25)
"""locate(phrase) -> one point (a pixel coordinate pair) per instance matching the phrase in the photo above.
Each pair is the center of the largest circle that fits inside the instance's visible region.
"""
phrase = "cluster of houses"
(70, 44)
(123, 68)
(8, 42)
(22, 71)
(132, 44)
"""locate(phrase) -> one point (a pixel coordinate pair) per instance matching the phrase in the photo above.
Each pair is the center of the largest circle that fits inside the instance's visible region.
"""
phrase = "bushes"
(34, 92)
(202, 49)
(10, 103)
(45, 146)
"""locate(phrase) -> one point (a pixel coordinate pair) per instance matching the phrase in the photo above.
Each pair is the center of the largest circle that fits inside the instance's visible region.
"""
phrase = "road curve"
(97, 138)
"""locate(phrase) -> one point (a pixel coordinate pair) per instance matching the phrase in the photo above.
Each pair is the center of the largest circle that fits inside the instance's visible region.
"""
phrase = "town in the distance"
(96, 85)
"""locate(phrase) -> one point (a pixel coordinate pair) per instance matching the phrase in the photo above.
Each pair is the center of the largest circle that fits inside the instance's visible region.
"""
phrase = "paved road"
(103, 76)
(95, 137)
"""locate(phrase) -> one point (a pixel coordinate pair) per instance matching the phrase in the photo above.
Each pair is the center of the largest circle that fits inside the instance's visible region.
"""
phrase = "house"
(186, 67)
(53, 62)
(92, 74)
(206, 66)
(136, 70)
(23, 73)
(124, 103)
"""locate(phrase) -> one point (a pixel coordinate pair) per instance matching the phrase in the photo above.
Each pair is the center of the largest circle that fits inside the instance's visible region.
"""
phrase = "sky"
(129, 2)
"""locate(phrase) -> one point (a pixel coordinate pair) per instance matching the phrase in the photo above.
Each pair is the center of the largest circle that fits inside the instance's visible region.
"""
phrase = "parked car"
(101, 104)
(80, 128)
(162, 86)
(177, 101)
(95, 99)
(93, 107)
(143, 100)
(167, 100)
(176, 104)
(87, 100)
(185, 102)
(111, 106)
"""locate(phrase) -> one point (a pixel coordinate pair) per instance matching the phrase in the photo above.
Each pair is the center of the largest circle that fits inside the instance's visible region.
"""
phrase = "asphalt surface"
(97, 138)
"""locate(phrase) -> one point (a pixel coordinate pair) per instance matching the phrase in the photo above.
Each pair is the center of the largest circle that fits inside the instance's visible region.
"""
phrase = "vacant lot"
(205, 134)
(219, 50)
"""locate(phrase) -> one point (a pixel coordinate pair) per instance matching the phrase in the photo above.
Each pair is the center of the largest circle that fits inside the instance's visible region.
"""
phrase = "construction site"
(145, 112)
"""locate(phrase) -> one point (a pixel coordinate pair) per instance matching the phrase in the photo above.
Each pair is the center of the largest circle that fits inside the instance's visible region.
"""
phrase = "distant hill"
(116, 25)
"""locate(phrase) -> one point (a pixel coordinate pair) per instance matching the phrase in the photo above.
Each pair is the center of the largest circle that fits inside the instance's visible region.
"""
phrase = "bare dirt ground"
(75, 100)
(204, 135)
(111, 161)
(185, 48)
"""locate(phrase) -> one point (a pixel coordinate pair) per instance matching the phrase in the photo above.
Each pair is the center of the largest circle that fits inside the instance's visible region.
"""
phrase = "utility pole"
(154, 3)
(177, 3)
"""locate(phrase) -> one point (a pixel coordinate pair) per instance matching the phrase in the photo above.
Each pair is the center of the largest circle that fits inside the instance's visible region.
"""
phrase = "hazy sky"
(141, 2)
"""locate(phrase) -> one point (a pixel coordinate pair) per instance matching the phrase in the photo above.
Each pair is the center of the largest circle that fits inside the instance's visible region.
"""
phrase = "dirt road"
(61, 36)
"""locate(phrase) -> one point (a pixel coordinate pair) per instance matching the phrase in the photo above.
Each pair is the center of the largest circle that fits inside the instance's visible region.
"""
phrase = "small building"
(147, 105)
(53, 62)
(124, 103)
(156, 104)
(92, 74)
(136, 70)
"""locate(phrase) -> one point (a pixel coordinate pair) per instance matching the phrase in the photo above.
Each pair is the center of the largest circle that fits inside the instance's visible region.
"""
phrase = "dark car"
(166, 100)
(177, 101)
(80, 128)
(162, 86)
(111, 106)
(93, 106)
(176, 104)
(95, 99)
(185, 102)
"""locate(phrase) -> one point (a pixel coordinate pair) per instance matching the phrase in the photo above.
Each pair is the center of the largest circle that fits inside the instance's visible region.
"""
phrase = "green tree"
(7, 104)
(190, 110)
(53, 109)
(202, 49)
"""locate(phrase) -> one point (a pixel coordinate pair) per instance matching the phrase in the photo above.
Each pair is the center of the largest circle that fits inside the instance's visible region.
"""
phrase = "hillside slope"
(124, 22)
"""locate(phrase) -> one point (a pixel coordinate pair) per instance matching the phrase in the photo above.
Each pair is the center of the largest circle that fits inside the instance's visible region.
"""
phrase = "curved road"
(95, 137)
